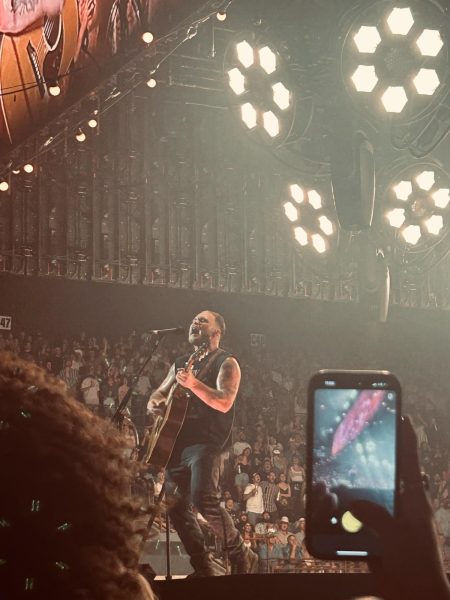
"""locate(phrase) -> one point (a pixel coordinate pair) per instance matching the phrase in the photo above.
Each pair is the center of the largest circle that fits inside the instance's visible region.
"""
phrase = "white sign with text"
(5, 323)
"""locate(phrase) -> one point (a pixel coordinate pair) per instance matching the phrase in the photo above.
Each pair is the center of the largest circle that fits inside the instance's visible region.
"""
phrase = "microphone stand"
(116, 420)
(119, 414)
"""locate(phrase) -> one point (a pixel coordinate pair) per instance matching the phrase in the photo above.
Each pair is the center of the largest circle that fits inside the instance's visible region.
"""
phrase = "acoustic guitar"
(166, 427)
(30, 63)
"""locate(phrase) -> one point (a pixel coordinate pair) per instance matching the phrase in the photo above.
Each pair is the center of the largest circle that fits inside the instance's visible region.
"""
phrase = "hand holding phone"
(411, 565)
(353, 423)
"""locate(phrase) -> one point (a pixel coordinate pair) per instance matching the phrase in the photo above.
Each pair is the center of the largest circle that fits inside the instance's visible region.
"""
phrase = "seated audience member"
(284, 508)
(227, 495)
(270, 554)
(66, 520)
(292, 551)
(248, 535)
(411, 565)
(242, 521)
(230, 508)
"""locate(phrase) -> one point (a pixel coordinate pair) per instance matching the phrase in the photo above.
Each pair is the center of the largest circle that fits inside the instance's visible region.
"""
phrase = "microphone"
(176, 330)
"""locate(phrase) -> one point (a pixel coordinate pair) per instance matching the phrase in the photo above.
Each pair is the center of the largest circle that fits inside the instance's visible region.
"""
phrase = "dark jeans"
(193, 478)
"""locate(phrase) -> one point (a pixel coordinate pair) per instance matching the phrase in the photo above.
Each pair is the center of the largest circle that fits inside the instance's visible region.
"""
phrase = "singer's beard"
(197, 339)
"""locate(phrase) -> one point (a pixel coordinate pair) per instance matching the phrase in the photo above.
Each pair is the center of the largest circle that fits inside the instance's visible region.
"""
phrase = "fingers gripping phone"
(352, 454)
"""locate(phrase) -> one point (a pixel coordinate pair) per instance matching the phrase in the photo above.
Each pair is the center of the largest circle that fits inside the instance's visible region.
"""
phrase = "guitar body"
(166, 428)
(30, 60)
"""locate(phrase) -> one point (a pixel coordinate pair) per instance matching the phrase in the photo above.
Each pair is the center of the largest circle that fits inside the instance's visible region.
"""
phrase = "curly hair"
(66, 519)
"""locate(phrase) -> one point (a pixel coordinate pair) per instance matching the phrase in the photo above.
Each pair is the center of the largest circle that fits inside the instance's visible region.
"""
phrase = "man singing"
(194, 467)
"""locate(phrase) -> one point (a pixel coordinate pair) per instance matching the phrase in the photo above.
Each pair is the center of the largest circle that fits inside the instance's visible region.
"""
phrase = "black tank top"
(203, 424)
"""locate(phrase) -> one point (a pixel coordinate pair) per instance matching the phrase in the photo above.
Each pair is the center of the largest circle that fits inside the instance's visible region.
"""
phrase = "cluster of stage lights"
(397, 50)
(147, 38)
(256, 64)
(418, 207)
(306, 211)
(27, 168)
(80, 136)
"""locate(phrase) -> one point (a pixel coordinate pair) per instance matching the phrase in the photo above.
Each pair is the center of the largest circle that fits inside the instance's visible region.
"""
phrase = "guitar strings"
(46, 30)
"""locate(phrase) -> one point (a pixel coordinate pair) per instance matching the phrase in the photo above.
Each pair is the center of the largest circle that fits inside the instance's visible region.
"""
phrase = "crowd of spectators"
(264, 471)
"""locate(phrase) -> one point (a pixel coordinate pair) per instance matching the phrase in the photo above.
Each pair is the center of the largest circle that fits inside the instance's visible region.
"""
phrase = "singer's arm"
(228, 380)
(159, 396)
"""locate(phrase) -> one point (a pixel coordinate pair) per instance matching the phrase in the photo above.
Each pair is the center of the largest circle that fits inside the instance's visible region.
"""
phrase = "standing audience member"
(241, 443)
(284, 488)
(90, 389)
(296, 478)
(108, 393)
(270, 493)
(300, 534)
(242, 469)
(279, 460)
(253, 497)
(140, 398)
(283, 531)
(69, 376)
(66, 517)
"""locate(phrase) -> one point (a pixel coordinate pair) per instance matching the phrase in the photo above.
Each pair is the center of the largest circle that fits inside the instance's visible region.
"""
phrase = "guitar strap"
(205, 369)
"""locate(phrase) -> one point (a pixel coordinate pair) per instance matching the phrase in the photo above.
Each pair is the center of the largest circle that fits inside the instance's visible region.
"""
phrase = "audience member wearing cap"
(299, 526)
(283, 530)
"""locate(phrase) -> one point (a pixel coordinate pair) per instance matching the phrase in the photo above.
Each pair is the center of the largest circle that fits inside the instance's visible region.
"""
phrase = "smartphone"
(353, 425)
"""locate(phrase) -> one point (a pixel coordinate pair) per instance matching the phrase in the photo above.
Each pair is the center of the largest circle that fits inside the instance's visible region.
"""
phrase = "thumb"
(373, 515)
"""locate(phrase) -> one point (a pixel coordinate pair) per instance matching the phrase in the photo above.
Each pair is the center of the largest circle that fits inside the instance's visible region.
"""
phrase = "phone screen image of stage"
(354, 445)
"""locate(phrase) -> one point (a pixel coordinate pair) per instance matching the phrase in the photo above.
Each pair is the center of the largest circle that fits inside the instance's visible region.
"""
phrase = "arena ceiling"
(223, 152)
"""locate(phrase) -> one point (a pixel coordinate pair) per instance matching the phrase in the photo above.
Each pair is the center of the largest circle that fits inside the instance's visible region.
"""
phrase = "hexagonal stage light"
(315, 226)
(415, 207)
(260, 94)
(393, 58)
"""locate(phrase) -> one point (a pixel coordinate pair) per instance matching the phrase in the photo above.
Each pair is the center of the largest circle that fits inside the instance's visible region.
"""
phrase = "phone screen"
(353, 431)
